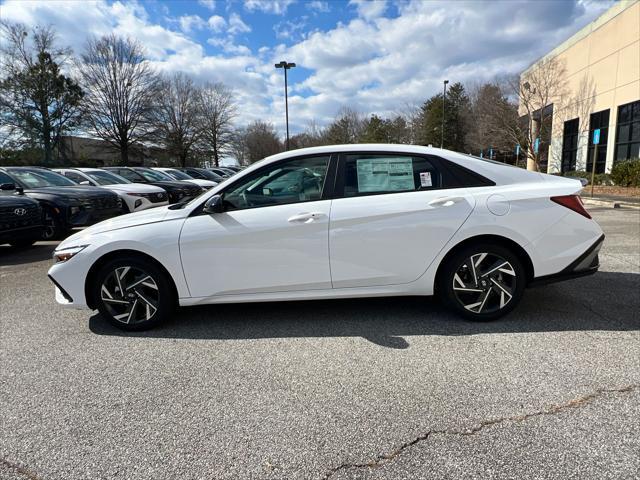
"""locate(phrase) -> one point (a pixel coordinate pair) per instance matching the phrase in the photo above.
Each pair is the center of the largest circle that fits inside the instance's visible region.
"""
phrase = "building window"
(628, 132)
(598, 120)
(570, 145)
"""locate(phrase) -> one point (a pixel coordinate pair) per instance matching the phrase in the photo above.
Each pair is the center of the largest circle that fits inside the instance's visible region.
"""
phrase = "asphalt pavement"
(353, 389)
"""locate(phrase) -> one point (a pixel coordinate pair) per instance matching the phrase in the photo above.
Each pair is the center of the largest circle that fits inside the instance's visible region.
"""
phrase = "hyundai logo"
(20, 211)
(160, 195)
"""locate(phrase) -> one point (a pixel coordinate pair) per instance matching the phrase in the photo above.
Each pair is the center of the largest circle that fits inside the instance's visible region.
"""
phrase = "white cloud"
(290, 29)
(217, 23)
(236, 25)
(278, 7)
(369, 9)
(210, 4)
(319, 6)
(190, 22)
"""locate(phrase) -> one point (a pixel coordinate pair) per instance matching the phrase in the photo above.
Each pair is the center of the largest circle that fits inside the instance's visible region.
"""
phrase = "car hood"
(202, 183)
(134, 187)
(172, 184)
(143, 217)
(16, 201)
(70, 192)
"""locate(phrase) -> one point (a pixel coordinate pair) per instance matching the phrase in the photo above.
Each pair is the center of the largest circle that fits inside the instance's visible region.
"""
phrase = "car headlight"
(67, 253)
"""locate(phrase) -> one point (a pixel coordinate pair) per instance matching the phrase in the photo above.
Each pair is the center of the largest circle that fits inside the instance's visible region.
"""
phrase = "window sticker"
(425, 179)
(385, 174)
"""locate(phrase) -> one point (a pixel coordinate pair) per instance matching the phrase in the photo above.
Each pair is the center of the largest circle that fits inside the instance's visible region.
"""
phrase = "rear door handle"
(445, 201)
(306, 217)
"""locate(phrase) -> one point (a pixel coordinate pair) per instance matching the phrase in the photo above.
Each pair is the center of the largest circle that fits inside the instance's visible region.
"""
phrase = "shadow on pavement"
(606, 301)
(18, 256)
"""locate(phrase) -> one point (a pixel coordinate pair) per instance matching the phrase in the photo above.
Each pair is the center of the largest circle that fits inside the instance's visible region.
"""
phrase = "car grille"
(102, 203)
(157, 197)
(9, 219)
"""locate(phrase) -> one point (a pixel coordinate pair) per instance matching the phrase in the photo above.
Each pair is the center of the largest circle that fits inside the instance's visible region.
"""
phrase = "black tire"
(53, 227)
(483, 291)
(129, 307)
(23, 243)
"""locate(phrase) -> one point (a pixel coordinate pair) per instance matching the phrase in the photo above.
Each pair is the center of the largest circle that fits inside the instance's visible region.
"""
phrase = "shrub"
(627, 173)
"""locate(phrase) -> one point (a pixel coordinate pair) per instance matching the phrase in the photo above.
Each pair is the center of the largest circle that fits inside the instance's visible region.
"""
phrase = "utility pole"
(286, 66)
(444, 103)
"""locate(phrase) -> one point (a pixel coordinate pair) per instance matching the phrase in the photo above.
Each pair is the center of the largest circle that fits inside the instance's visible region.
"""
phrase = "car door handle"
(445, 201)
(306, 217)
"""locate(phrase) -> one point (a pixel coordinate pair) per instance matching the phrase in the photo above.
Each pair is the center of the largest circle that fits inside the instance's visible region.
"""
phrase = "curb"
(610, 203)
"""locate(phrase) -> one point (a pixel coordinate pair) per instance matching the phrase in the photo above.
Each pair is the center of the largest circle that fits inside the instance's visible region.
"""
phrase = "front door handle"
(306, 217)
(445, 201)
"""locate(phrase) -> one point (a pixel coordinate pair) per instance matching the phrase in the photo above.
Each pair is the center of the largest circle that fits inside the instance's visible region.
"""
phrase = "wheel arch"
(513, 246)
(107, 257)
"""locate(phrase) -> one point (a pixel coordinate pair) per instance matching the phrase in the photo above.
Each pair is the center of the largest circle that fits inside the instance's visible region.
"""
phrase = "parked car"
(234, 168)
(21, 222)
(135, 196)
(230, 171)
(220, 171)
(339, 222)
(175, 174)
(178, 191)
(202, 173)
(65, 204)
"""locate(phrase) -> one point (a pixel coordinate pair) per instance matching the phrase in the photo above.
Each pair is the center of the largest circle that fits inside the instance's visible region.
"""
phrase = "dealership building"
(601, 91)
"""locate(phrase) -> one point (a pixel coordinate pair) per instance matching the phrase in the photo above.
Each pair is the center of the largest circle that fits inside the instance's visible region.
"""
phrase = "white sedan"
(338, 222)
(175, 174)
(135, 196)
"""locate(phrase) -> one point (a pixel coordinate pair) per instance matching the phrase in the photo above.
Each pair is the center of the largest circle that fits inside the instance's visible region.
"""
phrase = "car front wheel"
(134, 294)
(482, 282)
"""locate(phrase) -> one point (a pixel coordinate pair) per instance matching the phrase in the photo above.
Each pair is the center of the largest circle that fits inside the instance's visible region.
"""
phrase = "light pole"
(286, 66)
(444, 99)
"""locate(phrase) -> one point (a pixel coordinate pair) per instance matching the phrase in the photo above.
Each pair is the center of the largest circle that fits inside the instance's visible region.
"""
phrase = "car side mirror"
(8, 186)
(214, 205)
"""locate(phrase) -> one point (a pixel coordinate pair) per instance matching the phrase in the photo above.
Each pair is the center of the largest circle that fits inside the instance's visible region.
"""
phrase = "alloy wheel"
(130, 295)
(484, 283)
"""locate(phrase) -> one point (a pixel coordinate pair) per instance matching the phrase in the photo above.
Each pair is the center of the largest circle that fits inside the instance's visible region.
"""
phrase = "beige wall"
(605, 57)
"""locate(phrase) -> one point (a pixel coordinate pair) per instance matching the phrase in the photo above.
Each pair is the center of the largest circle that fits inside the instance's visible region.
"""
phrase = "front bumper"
(24, 233)
(586, 264)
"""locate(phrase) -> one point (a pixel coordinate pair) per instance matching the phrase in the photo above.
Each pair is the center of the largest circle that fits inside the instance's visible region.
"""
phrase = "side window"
(4, 178)
(128, 174)
(370, 174)
(74, 176)
(293, 181)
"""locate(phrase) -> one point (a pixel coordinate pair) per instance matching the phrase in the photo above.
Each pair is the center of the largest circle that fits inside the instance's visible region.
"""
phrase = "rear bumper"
(586, 264)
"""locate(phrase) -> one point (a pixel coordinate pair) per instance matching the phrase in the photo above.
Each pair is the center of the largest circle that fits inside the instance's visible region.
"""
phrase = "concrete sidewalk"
(612, 201)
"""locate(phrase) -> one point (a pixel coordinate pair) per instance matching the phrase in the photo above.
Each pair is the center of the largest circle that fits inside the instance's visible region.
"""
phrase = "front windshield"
(178, 175)
(38, 178)
(211, 176)
(106, 178)
(154, 175)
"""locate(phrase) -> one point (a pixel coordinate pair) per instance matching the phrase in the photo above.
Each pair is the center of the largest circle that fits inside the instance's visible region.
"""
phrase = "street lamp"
(444, 98)
(286, 66)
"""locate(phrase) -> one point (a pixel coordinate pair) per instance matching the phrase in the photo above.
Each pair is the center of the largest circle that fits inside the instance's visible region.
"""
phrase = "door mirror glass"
(8, 186)
(214, 205)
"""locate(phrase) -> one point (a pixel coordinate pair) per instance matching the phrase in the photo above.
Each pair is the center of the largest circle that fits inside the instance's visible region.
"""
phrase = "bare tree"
(37, 102)
(176, 116)
(217, 110)
(537, 90)
(120, 87)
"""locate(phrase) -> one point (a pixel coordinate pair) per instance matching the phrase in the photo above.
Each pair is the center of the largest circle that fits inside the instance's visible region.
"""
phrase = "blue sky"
(378, 56)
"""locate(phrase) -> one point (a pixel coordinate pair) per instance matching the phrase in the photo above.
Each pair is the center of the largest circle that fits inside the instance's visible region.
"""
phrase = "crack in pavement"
(388, 457)
(18, 468)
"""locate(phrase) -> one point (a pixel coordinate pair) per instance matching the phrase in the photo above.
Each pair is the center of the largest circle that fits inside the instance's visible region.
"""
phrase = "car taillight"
(572, 202)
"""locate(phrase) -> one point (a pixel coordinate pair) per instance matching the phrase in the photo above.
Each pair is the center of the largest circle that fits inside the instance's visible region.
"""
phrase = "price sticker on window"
(425, 179)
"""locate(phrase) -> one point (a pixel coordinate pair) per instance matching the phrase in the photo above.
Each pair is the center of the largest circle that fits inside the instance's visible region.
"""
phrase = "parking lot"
(375, 388)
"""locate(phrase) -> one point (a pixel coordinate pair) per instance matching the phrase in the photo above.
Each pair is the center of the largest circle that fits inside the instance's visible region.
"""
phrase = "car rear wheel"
(133, 294)
(482, 282)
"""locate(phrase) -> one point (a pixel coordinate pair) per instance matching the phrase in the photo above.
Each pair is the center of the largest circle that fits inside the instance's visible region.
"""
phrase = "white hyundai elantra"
(338, 222)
